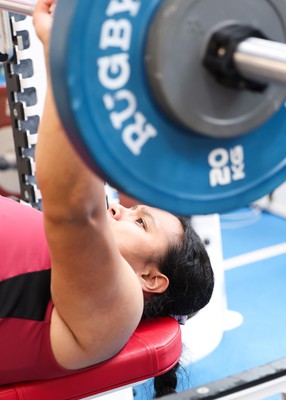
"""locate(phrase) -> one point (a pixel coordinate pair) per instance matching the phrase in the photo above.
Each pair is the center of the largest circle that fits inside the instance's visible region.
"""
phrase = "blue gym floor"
(257, 290)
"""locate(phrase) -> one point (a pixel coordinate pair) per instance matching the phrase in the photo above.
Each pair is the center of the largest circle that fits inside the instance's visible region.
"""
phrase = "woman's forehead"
(165, 219)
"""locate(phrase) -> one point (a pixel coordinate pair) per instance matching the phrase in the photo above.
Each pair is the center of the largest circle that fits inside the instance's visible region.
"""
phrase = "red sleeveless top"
(25, 301)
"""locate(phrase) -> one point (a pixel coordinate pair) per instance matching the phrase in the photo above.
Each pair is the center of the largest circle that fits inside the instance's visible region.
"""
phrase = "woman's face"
(143, 233)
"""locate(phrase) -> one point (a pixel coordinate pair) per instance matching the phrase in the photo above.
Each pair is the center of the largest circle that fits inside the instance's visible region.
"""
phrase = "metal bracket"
(23, 104)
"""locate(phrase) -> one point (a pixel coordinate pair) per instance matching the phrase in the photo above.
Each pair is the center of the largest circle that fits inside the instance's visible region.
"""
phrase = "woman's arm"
(91, 283)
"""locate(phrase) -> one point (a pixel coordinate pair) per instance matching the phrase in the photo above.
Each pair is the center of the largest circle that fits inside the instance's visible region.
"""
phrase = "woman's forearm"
(67, 184)
(68, 187)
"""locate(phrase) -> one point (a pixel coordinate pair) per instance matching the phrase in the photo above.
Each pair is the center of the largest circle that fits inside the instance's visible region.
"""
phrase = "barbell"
(178, 103)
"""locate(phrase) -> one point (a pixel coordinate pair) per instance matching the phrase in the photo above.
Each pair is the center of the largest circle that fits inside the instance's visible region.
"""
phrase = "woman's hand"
(43, 20)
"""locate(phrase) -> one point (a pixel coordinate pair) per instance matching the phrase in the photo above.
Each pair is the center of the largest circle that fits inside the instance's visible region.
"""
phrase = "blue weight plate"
(105, 103)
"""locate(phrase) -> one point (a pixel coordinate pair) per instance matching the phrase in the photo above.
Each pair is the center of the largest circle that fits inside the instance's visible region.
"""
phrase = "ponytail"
(166, 384)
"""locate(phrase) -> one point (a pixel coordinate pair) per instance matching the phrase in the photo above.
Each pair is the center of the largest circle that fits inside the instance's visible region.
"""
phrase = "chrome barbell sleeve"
(261, 59)
(25, 7)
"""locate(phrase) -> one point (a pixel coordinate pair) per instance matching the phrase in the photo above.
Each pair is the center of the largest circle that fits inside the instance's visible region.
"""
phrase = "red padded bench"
(154, 348)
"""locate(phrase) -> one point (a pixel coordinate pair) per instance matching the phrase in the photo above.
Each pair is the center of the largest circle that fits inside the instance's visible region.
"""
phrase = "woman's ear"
(152, 280)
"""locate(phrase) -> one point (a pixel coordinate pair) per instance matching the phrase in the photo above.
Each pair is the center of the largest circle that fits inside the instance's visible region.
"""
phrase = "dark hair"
(191, 282)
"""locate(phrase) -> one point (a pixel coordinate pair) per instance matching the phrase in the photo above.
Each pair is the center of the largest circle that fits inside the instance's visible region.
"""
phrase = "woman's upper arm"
(94, 290)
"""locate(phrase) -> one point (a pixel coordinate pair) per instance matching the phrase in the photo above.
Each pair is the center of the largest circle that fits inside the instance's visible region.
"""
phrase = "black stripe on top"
(25, 296)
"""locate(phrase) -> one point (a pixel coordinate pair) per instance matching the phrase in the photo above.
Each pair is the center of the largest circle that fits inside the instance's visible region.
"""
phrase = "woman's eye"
(141, 222)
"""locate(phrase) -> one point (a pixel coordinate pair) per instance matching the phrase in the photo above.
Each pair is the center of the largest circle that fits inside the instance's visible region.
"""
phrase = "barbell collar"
(240, 61)
(219, 57)
(25, 7)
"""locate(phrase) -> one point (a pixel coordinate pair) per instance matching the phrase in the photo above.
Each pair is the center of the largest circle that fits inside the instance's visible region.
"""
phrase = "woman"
(79, 265)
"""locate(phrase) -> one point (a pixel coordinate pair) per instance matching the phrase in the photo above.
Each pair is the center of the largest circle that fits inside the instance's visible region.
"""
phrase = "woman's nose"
(117, 211)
